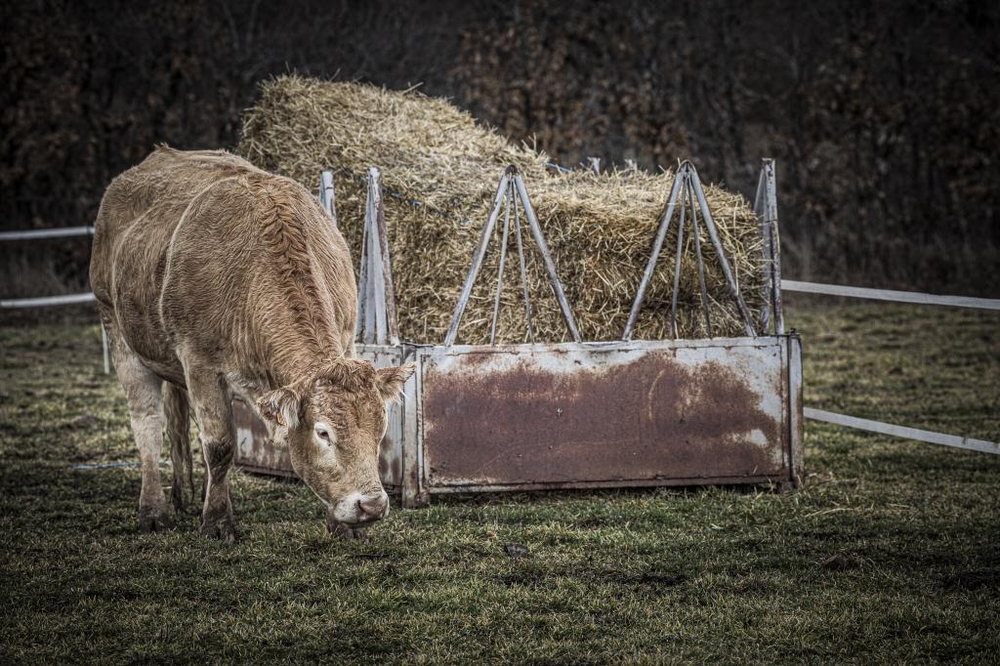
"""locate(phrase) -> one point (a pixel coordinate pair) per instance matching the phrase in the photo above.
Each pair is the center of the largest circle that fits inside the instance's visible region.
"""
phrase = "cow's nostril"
(372, 506)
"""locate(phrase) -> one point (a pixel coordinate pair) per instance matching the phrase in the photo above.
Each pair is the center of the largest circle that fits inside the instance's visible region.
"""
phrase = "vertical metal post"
(326, 195)
(387, 287)
(595, 165)
(375, 291)
(376, 294)
(773, 241)
(360, 328)
(758, 210)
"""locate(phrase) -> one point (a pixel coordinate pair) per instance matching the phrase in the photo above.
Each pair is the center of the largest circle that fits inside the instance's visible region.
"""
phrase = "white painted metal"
(326, 195)
(35, 234)
(890, 295)
(45, 301)
(902, 431)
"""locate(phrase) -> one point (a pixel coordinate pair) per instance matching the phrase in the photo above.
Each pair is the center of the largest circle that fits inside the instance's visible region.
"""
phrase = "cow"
(214, 280)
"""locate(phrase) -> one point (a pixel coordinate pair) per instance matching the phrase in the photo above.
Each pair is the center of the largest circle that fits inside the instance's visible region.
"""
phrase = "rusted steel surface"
(639, 413)
(519, 417)
(255, 452)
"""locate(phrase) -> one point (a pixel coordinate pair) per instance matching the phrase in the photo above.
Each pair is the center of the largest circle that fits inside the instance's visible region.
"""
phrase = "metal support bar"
(713, 234)
(387, 287)
(524, 272)
(477, 260)
(550, 267)
(510, 190)
(377, 299)
(677, 266)
(703, 289)
(766, 207)
(647, 275)
(503, 261)
(686, 178)
(326, 195)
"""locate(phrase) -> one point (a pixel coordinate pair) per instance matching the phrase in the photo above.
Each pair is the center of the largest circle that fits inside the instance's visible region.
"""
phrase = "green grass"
(889, 553)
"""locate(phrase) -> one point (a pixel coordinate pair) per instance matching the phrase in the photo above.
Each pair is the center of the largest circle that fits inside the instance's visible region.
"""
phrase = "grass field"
(889, 553)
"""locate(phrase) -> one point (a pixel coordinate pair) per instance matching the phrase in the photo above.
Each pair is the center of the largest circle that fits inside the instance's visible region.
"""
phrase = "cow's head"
(334, 421)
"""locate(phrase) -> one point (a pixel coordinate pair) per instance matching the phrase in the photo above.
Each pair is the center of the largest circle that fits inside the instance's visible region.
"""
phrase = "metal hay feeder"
(501, 417)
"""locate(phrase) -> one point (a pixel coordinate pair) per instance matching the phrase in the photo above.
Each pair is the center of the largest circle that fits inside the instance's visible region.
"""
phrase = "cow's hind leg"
(213, 410)
(175, 406)
(145, 403)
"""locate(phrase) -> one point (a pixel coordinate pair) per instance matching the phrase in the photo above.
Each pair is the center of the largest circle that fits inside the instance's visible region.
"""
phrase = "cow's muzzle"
(359, 509)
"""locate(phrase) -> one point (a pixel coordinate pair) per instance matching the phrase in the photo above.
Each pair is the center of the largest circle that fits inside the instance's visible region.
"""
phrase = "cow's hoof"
(343, 531)
(223, 530)
(154, 522)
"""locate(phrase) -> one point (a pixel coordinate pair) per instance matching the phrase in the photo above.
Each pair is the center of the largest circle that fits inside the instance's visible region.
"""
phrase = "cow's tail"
(177, 411)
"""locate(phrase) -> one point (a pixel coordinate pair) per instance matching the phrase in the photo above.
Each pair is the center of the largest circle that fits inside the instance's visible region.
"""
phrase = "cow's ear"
(389, 381)
(282, 406)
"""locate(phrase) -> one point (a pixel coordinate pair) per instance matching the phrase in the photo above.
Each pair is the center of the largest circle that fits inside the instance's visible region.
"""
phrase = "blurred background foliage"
(884, 117)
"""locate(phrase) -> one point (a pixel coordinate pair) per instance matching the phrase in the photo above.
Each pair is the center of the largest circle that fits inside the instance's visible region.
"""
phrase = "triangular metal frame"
(687, 187)
(511, 194)
(377, 323)
(765, 206)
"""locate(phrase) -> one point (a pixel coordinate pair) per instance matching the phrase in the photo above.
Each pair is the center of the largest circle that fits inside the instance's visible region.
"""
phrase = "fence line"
(44, 301)
(896, 297)
(901, 431)
(890, 295)
(34, 234)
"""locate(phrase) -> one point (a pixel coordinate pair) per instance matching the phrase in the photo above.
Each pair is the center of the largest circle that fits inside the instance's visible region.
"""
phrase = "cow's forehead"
(345, 407)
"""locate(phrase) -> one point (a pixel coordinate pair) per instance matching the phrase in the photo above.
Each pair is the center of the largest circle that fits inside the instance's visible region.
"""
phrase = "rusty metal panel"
(598, 414)
(255, 451)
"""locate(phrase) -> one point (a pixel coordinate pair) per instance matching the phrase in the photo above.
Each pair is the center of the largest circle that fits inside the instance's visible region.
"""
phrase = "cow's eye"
(323, 433)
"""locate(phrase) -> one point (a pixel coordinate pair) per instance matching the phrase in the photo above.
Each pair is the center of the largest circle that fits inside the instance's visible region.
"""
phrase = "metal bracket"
(686, 189)
(765, 206)
(511, 194)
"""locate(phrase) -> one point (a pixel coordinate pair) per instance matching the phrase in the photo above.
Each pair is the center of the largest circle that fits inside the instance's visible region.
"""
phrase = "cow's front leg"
(212, 402)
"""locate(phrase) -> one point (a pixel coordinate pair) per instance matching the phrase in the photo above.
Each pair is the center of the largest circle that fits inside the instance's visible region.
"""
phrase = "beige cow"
(216, 279)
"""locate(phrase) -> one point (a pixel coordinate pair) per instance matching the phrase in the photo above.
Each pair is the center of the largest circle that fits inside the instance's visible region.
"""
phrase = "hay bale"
(440, 173)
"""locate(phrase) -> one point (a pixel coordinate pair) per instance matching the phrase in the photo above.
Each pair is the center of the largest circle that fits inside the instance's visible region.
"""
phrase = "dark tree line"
(884, 117)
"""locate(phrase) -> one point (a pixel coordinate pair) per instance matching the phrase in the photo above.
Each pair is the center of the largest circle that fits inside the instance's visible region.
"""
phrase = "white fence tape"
(34, 234)
(44, 301)
(889, 295)
(901, 431)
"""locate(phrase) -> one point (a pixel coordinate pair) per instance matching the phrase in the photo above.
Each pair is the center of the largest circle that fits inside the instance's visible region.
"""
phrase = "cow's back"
(185, 252)
(139, 213)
